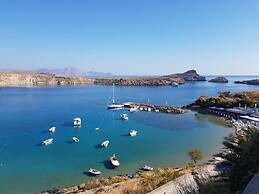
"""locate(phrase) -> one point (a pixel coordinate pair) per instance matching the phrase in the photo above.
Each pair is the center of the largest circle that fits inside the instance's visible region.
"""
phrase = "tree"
(195, 155)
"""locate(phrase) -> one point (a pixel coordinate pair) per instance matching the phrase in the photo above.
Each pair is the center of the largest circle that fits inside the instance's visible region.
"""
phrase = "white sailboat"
(114, 105)
(124, 117)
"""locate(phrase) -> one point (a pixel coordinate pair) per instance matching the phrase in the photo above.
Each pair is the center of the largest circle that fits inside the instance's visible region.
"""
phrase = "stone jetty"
(156, 108)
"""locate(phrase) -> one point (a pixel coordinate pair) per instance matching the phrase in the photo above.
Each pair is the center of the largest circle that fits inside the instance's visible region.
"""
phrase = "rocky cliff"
(190, 75)
(39, 79)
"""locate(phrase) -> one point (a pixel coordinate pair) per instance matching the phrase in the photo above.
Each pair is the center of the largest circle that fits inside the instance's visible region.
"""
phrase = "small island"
(219, 79)
(248, 82)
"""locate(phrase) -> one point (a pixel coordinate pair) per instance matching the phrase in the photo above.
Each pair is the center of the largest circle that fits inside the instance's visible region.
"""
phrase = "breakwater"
(156, 108)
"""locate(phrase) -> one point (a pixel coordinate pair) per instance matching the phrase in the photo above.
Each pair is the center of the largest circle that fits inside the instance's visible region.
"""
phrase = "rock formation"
(248, 82)
(219, 79)
(190, 75)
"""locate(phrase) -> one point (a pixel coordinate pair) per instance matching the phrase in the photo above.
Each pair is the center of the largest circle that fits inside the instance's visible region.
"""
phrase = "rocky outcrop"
(248, 82)
(219, 79)
(190, 75)
(39, 79)
(227, 100)
(189, 183)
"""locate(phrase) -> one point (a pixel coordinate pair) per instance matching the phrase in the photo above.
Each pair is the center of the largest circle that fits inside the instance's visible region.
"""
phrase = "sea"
(163, 139)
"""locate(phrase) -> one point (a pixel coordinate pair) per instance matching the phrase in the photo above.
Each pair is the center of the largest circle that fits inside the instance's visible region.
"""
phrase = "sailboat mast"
(113, 98)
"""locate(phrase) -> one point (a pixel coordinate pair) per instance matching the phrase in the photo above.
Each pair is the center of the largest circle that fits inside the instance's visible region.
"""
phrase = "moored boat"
(114, 105)
(77, 122)
(114, 161)
(133, 132)
(134, 109)
(75, 139)
(105, 143)
(147, 168)
(52, 129)
(47, 142)
(124, 117)
(94, 171)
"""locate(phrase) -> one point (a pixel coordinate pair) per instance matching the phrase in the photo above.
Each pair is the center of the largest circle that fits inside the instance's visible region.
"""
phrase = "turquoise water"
(163, 139)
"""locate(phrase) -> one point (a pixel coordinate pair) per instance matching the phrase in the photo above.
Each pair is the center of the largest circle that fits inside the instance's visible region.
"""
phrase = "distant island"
(248, 82)
(50, 79)
(219, 79)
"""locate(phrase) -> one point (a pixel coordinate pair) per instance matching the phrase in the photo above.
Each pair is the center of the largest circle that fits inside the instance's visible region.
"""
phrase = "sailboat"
(114, 105)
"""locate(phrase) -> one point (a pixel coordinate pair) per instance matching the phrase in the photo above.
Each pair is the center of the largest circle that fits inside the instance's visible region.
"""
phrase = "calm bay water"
(163, 140)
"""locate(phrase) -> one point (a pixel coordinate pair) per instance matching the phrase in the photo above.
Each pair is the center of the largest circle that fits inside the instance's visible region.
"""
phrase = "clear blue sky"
(131, 36)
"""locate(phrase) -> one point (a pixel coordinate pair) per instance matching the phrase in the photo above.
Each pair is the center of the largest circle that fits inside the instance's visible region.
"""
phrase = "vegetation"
(242, 158)
(195, 155)
(227, 99)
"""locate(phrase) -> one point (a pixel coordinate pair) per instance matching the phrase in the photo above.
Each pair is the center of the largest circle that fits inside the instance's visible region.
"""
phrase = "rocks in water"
(248, 82)
(219, 79)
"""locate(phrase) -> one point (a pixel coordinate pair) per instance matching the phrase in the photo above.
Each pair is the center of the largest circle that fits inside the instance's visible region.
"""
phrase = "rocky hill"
(39, 79)
(178, 78)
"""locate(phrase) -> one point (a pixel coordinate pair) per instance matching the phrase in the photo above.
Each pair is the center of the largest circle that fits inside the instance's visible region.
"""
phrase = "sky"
(131, 37)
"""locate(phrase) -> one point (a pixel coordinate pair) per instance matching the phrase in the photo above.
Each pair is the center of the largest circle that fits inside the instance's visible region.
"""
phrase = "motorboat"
(124, 117)
(133, 132)
(147, 168)
(97, 128)
(105, 143)
(174, 84)
(94, 171)
(52, 129)
(114, 105)
(134, 109)
(77, 122)
(75, 139)
(114, 161)
(47, 142)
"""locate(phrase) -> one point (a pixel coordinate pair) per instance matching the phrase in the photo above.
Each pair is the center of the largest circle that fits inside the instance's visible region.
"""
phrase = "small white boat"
(94, 171)
(97, 128)
(52, 129)
(133, 132)
(77, 122)
(135, 109)
(105, 143)
(124, 117)
(174, 84)
(75, 139)
(147, 168)
(114, 161)
(47, 142)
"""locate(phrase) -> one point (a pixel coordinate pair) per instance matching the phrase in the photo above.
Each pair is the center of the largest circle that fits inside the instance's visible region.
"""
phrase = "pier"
(155, 108)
